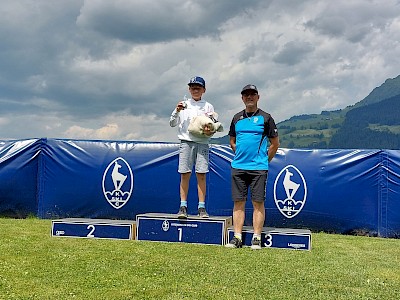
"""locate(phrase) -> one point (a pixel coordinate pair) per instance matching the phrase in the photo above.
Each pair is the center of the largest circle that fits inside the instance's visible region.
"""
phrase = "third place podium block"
(168, 228)
(285, 238)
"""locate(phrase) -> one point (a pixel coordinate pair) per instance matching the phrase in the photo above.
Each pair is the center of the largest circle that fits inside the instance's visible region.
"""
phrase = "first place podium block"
(93, 228)
(168, 228)
(284, 238)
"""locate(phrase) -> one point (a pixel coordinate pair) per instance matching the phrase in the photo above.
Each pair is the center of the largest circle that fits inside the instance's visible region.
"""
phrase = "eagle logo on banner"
(118, 183)
(290, 191)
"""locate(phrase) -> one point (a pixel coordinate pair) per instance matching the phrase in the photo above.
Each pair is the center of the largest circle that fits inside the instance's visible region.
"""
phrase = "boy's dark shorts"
(242, 180)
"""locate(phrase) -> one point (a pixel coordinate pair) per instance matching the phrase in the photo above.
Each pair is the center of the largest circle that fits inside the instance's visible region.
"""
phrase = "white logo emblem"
(118, 183)
(165, 225)
(291, 199)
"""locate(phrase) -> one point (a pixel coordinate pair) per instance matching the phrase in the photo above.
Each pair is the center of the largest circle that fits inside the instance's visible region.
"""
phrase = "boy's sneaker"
(234, 243)
(182, 213)
(256, 244)
(203, 213)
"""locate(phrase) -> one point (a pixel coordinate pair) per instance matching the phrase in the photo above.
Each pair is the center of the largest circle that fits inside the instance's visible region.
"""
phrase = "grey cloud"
(337, 26)
(293, 52)
(160, 20)
(247, 53)
(35, 36)
(78, 63)
(353, 20)
(332, 26)
(38, 50)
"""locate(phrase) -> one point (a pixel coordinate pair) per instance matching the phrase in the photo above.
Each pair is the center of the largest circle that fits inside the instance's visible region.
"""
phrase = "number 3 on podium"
(268, 240)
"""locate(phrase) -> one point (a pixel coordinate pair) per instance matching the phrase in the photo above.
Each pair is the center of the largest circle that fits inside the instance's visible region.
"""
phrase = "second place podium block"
(93, 228)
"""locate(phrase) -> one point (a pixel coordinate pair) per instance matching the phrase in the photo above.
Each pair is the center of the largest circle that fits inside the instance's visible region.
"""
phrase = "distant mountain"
(389, 89)
(372, 123)
(337, 129)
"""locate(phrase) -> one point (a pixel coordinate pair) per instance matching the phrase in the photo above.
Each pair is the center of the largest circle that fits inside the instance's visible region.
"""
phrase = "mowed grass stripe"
(34, 265)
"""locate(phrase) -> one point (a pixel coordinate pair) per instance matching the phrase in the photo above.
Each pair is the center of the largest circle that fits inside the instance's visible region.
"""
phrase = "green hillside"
(353, 127)
(374, 117)
(310, 131)
(371, 126)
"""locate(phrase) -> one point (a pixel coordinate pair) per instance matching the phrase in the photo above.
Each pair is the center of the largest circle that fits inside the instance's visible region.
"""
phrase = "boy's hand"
(180, 106)
(207, 130)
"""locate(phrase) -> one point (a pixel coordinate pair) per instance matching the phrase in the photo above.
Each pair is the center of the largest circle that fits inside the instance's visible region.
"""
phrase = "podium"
(93, 228)
(196, 230)
(284, 238)
(215, 230)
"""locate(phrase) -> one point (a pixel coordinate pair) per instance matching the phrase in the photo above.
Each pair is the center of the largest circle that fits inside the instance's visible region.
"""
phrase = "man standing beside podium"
(248, 133)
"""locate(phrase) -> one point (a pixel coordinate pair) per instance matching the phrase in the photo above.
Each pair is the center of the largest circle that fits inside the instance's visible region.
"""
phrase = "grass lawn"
(34, 265)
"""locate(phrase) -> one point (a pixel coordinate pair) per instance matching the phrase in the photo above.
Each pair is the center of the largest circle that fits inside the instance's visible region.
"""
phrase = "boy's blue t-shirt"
(252, 132)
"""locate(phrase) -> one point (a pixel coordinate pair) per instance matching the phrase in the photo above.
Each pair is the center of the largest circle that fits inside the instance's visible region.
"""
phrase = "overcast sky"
(115, 69)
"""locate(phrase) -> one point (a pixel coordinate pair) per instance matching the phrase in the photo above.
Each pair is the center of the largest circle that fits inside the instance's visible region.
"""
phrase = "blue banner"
(99, 179)
(18, 177)
(389, 207)
(329, 190)
(343, 191)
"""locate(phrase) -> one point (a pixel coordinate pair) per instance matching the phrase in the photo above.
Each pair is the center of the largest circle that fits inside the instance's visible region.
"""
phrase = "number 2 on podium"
(92, 229)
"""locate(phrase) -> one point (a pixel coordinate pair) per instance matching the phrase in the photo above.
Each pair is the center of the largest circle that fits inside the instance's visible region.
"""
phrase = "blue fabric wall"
(18, 177)
(322, 190)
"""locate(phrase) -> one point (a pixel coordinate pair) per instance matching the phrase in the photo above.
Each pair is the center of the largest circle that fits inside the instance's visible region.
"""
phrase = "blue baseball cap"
(197, 80)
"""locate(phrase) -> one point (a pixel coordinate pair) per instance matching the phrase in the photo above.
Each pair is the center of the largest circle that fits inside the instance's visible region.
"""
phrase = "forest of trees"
(355, 131)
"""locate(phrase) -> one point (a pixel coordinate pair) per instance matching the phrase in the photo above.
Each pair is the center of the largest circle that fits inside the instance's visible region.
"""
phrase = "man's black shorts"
(242, 180)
